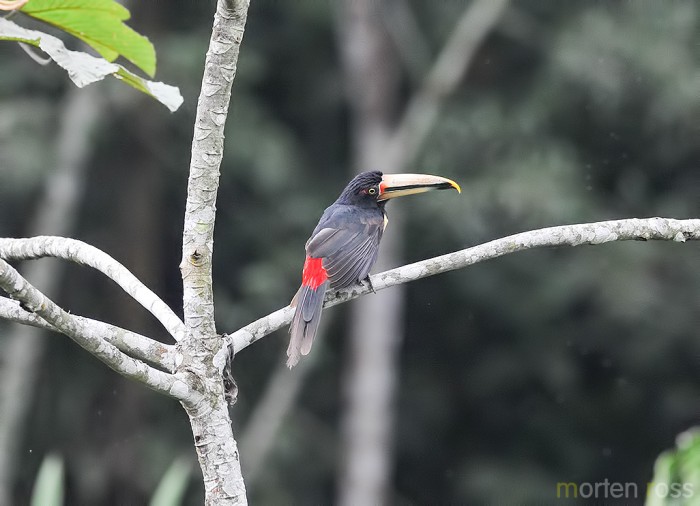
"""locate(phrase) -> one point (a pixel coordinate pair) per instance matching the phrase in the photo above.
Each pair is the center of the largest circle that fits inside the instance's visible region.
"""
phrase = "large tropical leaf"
(84, 69)
(99, 23)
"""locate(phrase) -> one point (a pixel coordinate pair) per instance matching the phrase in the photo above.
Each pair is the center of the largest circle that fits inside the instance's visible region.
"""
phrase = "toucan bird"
(344, 245)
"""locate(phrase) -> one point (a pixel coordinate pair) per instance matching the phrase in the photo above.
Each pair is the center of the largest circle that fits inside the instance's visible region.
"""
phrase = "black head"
(363, 190)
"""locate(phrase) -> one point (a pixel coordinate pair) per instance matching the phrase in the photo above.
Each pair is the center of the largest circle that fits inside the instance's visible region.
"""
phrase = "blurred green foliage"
(547, 366)
(48, 488)
(677, 473)
(172, 487)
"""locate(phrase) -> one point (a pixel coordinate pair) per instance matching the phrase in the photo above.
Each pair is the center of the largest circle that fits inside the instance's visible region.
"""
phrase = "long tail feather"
(309, 303)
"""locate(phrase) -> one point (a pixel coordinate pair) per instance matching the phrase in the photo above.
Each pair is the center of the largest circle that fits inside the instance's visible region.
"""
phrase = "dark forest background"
(552, 365)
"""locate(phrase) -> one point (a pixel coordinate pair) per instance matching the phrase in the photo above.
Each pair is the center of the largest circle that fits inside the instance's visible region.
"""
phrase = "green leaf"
(172, 487)
(48, 487)
(677, 473)
(84, 69)
(98, 23)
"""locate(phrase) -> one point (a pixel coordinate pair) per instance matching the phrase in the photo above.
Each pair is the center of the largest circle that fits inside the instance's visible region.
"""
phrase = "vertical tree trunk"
(201, 355)
(375, 329)
(218, 453)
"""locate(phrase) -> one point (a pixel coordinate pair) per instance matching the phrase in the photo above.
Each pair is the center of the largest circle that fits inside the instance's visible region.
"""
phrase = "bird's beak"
(398, 185)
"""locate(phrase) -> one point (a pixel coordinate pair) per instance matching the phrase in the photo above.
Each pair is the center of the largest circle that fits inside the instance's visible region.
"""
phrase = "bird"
(344, 246)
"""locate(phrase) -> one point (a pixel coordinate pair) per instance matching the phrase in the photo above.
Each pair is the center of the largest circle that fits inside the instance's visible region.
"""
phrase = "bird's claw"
(369, 283)
(230, 386)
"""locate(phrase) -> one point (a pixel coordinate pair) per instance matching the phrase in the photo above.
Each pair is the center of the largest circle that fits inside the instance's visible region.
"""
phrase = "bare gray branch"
(85, 254)
(645, 229)
(88, 337)
(131, 343)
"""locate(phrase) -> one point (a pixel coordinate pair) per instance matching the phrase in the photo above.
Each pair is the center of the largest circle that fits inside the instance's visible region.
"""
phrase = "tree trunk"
(202, 353)
(217, 452)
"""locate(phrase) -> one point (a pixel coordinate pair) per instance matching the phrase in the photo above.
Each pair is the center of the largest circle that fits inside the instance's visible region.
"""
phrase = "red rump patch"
(314, 274)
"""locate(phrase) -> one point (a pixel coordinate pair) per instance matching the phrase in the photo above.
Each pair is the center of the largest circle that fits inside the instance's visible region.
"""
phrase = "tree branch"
(88, 337)
(131, 343)
(641, 229)
(85, 254)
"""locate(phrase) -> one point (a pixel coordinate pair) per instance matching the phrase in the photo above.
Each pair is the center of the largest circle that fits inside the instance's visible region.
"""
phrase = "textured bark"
(218, 455)
(199, 358)
(633, 229)
(207, 153)
(202, 353)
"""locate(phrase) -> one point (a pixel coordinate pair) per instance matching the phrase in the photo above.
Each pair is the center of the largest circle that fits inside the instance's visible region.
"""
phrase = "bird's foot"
(369, 283)
(230, 386)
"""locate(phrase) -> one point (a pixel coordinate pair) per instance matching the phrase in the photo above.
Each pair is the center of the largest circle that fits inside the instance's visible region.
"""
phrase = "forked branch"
(85, 254)
(89, 337)
(131, 343)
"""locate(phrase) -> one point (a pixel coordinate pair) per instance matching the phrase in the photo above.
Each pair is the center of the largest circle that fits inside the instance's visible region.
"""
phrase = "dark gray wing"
(352, 263)
(349, 252)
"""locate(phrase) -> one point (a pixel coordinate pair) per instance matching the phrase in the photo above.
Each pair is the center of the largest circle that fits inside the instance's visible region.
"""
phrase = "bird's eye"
(372, 191)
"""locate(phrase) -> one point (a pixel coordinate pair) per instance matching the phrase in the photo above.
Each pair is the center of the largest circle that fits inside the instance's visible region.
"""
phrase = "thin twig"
(34, 55)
